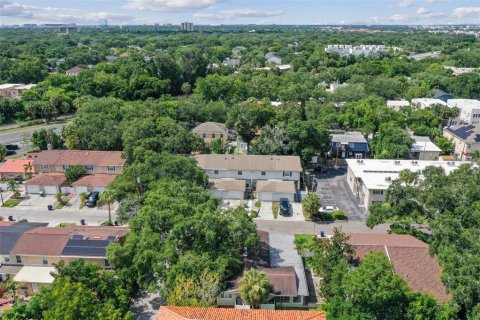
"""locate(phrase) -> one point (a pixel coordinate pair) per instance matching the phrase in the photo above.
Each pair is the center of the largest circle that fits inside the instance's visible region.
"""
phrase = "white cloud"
(405, 3)
(170, 5)
(401, 18)
(431, 1)
(39, 14)
(236, 13)
(465, 11)
(422, 10)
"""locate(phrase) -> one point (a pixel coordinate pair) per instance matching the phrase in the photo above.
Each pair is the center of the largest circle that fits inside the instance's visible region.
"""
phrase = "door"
(33, 189)
(51, 189)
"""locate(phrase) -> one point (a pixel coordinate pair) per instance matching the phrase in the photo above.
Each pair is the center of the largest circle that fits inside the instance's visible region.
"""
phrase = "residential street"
(292, 227)
(92, 217)
(16, 137)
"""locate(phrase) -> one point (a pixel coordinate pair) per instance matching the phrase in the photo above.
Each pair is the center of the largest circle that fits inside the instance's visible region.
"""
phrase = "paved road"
(55, 217)
(334, 191)
(293, 227)
(16, 136)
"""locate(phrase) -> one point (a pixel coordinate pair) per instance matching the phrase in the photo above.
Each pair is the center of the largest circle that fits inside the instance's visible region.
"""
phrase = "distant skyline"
(385, 12)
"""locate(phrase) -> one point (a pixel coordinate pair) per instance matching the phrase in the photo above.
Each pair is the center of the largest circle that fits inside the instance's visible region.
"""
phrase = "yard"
(10, 203)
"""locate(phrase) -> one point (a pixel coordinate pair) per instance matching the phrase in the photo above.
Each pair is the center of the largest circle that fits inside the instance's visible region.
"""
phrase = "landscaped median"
(10, 203)
(275, 209)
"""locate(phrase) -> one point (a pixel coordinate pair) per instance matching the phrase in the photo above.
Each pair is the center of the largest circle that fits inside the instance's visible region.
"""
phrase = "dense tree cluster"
(449, 205)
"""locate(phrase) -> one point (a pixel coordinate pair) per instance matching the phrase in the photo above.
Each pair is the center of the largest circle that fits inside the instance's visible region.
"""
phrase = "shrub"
(253, 214)
(258, 204)
(310, 205)
(275, 209)
(107, 223)
(75, 172)
(339, 215)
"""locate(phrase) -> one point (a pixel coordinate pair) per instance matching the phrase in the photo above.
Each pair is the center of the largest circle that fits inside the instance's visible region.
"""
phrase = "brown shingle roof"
(248, 162)
(95, 180)
(275, 186)
(49, 241)
(227, 184)
(410, 258)
(47, 179)
(80, 157)
(282, 279)
(210, 127)
(199, 313)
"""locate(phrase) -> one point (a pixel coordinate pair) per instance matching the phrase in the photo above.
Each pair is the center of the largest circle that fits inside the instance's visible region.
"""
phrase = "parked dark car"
(12, 147)
(284, 207)
(10, 153)
(320, 169)
(92, 199)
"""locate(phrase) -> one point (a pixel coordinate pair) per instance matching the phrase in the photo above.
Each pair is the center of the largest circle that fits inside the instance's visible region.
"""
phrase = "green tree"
(196, 292)
(445, 145)
(74, 172)
(44, 137)
(255, 287)
(108, 197)
(311, 205)
(307, 139)
(391, 142)
(3, 152)
(186, 88)
(13, 187)
(217, 146)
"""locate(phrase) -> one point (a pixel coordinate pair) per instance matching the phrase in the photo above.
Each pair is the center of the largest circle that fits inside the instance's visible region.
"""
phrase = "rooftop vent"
(388, 178)
(359, 160)
(397, 162)
(414, 162)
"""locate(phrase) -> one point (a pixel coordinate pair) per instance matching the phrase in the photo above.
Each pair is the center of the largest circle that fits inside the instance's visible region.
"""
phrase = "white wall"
(253, 175)
(275, 196)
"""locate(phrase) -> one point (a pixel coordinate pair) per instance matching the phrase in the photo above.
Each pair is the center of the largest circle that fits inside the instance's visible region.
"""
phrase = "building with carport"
(228, 189)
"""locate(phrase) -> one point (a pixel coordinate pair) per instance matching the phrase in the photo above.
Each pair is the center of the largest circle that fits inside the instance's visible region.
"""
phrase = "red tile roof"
(95, 180)
(47, 179)
(15, 166)
(410, 259)
(198, 313)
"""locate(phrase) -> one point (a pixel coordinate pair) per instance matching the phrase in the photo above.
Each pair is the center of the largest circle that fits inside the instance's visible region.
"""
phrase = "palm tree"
(28, 168)
(108, 196)
(255, 287)
(186, 88)
(12, 186)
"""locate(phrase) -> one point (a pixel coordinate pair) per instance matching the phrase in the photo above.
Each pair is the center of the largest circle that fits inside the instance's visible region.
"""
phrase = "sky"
(214, 12)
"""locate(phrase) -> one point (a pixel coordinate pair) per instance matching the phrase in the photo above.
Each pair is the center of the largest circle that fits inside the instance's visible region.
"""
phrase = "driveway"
(265, 212)
(334, 191)
(36, 202)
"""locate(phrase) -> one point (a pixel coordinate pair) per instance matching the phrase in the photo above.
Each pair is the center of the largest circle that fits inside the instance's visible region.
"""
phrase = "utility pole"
(1, 194)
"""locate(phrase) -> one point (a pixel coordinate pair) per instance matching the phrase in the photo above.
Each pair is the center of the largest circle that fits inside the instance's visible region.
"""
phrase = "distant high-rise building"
(187, 26)
(104, 23)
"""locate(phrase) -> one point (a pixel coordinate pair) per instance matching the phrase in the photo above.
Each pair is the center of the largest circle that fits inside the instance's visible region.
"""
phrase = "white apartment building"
(469, 110)
(187, 26)
(424, 149)
(397, 104)
(369, 179)
(250, 167)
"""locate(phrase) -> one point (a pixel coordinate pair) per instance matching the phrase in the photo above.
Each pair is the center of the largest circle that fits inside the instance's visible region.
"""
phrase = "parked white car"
(328, 209)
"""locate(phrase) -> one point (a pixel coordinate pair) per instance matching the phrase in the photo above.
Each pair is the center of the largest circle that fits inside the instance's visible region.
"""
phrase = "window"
(264, 173)
(297, 299)
(215, 171)
(221, 135)
(65, 166)
(89, 167)
(204, 135)
(44, 167)
(282, 299)
(225, 295)
(107, 264)
(287, 173)
(45, 260)
(111, 168)
(240, 173)
(213, 135)
(19, 259)
(380, 192)
(358, 156)
(6, 258)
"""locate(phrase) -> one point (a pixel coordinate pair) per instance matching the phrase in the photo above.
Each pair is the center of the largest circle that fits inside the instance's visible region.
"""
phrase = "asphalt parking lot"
(334, 191)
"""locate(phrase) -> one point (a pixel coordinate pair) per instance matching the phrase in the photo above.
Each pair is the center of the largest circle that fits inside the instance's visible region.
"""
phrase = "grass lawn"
(10, 203)
(59, 206)
(275, 208)
(304, 241)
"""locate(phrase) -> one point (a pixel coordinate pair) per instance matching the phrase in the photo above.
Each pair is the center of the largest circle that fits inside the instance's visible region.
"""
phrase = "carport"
(93, 182)
(273, 190)
(49, 183)
(228, 189)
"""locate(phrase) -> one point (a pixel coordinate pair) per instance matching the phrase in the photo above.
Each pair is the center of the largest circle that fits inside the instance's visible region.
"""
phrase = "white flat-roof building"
(469, 110)
(370, 178)
(422, 103)
(397, 104)
(424, 149)
(14, 90)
